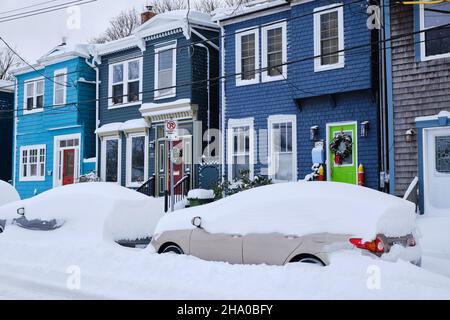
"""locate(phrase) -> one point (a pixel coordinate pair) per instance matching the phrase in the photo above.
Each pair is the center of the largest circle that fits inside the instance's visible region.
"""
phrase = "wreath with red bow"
(341, 146)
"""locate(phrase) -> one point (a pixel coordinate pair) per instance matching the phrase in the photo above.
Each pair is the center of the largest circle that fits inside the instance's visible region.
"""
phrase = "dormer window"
(34, 96)
(125, 83)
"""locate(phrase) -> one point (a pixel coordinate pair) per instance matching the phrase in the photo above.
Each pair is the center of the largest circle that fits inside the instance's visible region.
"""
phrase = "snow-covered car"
(292, 222)
(89, 212)
(7, 193)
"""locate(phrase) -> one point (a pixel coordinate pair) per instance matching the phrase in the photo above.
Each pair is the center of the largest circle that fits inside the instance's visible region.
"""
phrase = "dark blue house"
(6, 128)
(161, 72)
(299, 75)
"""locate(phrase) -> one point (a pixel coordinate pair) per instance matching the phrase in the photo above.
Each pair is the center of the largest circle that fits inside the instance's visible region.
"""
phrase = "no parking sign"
(171, 129)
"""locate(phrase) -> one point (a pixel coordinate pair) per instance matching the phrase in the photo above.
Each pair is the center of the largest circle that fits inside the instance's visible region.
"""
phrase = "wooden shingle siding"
(419, 89)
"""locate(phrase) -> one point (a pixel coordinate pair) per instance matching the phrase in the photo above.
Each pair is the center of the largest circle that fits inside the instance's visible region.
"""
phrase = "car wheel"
(172, 248)
(308, 259)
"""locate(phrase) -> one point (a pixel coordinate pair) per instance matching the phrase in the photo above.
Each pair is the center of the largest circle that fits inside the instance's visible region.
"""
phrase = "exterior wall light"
(409, 135)
(364, 129)
(313, 132)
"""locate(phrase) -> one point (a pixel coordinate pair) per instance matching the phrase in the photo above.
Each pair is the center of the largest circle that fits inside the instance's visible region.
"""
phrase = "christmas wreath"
(341, 146)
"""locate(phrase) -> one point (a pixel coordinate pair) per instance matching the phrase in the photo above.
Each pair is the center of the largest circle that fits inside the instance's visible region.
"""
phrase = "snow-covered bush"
(228, 188)
(89, 177)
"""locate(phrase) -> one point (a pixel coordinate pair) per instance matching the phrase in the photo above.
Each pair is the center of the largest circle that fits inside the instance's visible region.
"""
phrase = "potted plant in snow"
(198, 197)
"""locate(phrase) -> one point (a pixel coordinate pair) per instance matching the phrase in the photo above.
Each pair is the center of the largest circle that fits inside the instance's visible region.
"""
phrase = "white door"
(437, 170)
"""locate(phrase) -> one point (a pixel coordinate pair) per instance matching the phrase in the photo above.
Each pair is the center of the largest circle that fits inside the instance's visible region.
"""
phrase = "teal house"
(54, 141)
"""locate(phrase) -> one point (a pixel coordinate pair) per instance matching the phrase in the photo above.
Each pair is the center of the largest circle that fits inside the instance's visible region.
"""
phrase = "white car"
(293, 222)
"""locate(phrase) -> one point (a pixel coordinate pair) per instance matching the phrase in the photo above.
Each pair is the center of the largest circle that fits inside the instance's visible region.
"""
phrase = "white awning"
(134, 125)
(109, 129)
(179, 109)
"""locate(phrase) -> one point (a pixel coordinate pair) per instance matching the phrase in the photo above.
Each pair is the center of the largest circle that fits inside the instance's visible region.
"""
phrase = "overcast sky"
(34, 36)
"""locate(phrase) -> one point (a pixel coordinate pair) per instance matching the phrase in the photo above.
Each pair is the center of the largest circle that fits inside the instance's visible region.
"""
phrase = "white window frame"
(271, 120)
(236, 123)
(56, 157)
(172, 46)
(119, 160)
(129, 155)
(317, 43)
(423, 56)
(57, 73)
(265, 74)
(38, 177)
(25, 95)
(238, 57)
(125, 81)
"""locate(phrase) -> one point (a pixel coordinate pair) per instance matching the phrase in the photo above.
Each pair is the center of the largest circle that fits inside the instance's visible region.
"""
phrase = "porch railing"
(149, 187)
(180, 190)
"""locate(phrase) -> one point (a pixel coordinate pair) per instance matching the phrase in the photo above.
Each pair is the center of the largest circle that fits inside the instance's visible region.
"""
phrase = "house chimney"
(147, 15)
(64, 41)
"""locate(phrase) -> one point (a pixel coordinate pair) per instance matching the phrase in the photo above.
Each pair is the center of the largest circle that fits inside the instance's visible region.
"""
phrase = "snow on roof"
(301, 208)
(160, 23)
(6, 86)
(135, 124)
(109, 128)
(242, 9)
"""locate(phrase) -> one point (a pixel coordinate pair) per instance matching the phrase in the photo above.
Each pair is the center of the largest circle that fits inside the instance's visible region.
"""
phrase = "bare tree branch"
(120, 26)
(161, 6)
(208, 6)
(8, 61)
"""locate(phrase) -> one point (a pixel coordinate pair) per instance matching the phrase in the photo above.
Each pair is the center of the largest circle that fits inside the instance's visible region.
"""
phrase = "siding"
(6, 134)
(419, 89)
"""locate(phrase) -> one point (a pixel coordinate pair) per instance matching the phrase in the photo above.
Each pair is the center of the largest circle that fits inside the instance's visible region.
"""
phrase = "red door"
(177, 162)
(68, 166)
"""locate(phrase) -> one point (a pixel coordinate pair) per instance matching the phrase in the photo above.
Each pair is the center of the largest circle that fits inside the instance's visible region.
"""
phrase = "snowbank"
(7, 193)
(301, 208)
(200, 194)
(93, 210)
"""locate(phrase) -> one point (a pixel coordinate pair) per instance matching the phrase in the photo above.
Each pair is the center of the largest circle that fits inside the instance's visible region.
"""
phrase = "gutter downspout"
(223, 98)
(15, 122)
(382, 118)
(97, 94)
(209, 91)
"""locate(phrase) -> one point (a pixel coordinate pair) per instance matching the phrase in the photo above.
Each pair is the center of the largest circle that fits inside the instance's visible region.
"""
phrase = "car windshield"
(38, 225)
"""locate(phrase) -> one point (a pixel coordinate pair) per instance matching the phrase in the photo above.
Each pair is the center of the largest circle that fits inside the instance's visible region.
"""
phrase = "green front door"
(345, 172)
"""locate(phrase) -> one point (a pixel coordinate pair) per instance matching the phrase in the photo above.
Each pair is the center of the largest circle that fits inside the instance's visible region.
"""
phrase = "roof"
(57, 54)
(6, 86)
(243, 9)
(158, 25)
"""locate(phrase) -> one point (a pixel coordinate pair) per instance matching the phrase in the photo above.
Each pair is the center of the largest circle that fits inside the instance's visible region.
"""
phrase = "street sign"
(171, 129)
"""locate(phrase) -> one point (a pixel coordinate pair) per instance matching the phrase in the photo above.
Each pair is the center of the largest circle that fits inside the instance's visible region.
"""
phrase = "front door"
(437, 170)
(177, 154)
(68, 166)
(346, 170)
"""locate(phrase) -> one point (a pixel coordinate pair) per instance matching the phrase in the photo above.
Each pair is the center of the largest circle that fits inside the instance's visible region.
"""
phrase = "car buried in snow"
(293, 222)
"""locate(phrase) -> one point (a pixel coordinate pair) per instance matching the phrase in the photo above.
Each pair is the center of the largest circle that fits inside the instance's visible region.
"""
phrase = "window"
(137, 149)
(329, 38)
(32, 163)
(59, 94)
(125, 80)
(240, 147)
(34, 96)
(274, 53)
(165, 71)
(283, 149)
(247, 57)
(435, 42)
(111, 159)
(442, 154)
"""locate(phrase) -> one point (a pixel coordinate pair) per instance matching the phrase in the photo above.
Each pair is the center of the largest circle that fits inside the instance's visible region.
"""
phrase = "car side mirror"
(21, 212)
(197, 222)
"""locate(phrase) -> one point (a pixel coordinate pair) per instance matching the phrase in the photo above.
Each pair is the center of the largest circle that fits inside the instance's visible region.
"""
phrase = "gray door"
(216, 246)
(161, 163)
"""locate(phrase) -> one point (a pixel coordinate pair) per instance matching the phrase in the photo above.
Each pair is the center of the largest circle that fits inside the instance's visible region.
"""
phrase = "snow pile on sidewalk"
(201, 194)
(301, 208)
(93, 211)
(7, 193)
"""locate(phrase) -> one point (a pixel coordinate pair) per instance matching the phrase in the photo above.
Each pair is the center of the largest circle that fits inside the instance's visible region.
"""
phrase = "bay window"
(137, 158)
(240, 147)
(111, 159)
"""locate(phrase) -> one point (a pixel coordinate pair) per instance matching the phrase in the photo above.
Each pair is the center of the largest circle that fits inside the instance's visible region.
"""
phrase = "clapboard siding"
(420, 88)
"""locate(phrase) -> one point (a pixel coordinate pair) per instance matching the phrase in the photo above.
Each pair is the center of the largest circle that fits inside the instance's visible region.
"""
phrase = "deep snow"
(7, 193)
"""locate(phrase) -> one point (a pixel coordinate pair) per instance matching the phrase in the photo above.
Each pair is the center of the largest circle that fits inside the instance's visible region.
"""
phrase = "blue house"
(6, 128)
(55, 110)
(163, 71)
(299, 76)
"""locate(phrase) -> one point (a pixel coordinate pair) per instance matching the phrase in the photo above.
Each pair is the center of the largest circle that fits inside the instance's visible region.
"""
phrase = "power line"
(27, 7)
(44, 10)
(259, 70)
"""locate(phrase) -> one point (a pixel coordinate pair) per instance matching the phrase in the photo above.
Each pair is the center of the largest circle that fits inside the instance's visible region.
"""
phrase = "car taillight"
(375, 246)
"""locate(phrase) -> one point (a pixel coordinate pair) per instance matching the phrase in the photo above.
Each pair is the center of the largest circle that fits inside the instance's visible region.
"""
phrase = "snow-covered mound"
(202, 194)
(94, 210)
(7, 193)
(301, 208)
